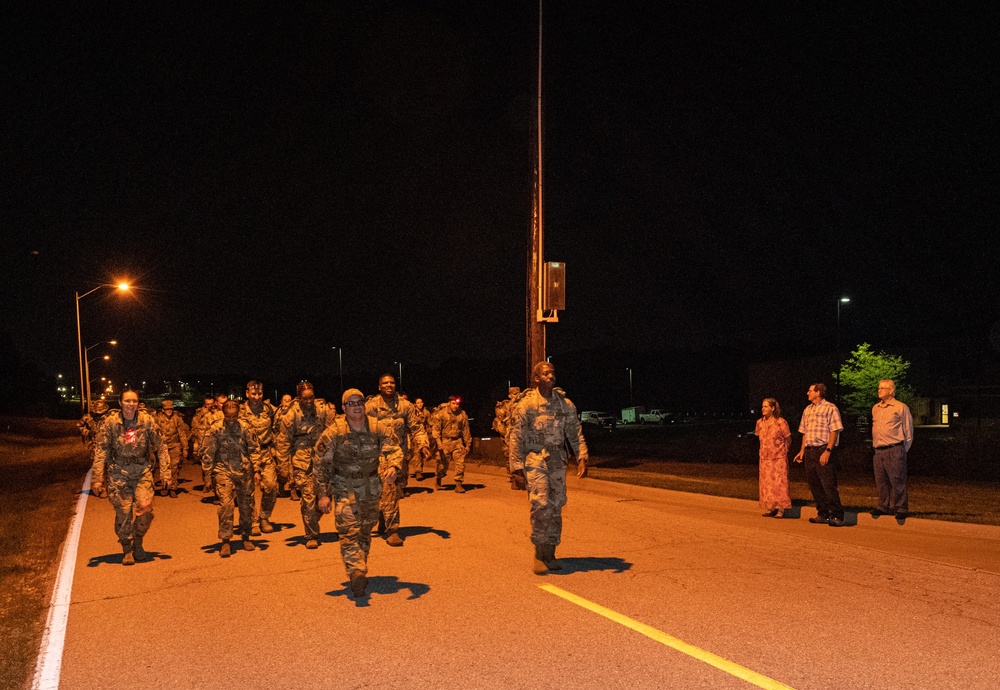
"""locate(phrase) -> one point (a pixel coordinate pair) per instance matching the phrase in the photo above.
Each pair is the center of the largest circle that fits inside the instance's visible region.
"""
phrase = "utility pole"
(535, 328)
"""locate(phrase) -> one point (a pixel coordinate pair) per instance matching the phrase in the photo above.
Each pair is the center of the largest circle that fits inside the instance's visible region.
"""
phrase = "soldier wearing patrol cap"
(174, 432)
(89, 426)
(346, 462)
(259, 414)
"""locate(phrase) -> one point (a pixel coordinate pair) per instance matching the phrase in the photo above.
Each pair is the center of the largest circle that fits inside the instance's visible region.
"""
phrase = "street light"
(340, 363)
(842, 300)
(123, 287)
(86, 365)
(629, 369)
(400, 386)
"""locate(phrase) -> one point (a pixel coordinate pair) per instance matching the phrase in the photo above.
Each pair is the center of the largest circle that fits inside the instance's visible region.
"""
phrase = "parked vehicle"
(601, 419)
(630, 415)
(656, 416)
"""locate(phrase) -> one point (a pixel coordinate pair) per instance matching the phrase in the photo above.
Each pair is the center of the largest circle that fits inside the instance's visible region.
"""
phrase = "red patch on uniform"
(131, 436)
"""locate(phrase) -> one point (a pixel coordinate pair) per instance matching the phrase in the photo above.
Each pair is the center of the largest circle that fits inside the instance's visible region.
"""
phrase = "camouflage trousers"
(388, 504)
(356, 513)
(176, 458)
(265, 472)
(303, 474)
(452, 449)
(286, 475)
(416, 464)
(234, 489)
(546, 478)
(130, 491)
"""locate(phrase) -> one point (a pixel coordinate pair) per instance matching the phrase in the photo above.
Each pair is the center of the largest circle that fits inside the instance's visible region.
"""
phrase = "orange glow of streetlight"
(124, 287)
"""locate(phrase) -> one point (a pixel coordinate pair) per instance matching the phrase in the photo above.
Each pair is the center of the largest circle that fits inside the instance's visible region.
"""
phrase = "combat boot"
(255, 531)
(549, 556)
(538, 565)
(139, 553)
(173, 493)
(394, 539)
(437, 482)
(459, 489)
(312, 544)
(127, 558)
(163, 492)
(265, 526)
(226, 549)
(248, 545)
(294, 494)
(359, 583)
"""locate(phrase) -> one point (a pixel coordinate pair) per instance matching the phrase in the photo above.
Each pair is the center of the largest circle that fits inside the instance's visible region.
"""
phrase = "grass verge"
(43, 464)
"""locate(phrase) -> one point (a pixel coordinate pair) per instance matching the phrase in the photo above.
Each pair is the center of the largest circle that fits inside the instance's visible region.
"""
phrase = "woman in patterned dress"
(772, 431)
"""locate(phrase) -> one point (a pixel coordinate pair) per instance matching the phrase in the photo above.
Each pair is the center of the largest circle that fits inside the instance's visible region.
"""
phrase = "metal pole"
(535, 329)
(629, 386)
(79, 349)
(340, 362)
(86, 372)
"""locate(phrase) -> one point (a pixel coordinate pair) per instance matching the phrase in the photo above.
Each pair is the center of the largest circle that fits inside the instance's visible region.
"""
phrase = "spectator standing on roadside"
(820, 428)
(122, 463)
(774, 436)
(892, 436)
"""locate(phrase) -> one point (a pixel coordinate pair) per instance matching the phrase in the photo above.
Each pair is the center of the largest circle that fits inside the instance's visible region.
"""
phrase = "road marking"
(50, 657)
(672, 642)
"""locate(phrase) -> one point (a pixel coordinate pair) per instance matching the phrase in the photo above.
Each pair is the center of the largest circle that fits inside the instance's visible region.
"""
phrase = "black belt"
(891, 445)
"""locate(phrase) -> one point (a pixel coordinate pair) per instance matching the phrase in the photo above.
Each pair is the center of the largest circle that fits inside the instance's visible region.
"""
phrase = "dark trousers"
(890, 480)
(823, 483)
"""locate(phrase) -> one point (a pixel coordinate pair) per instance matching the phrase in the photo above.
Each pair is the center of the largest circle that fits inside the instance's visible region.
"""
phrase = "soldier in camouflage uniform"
(89, 426)
(501, 423)
(173, 432)
(199, 425)
(227, 449)
(121, 462)
(388, 405)
(543, 427)
(450, 428)
(286, 482)
(416, 464)
(259, 414)
(300, 428)
(346, 468)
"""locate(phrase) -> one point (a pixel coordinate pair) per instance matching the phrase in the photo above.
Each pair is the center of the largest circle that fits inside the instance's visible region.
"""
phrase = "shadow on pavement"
(116, 559)
(281, 526)
(383, 584)
(413, 490)
(417, 530)
(586, 565)
(324, 538)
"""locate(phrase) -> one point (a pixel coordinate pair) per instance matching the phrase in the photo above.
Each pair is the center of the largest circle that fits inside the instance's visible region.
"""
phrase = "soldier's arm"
(208, 448)
(101, 453)
(415, 428)
(390, 449)
(466, 433)
(283, 439)
(515, 441)
(160, 450)
(322, 461)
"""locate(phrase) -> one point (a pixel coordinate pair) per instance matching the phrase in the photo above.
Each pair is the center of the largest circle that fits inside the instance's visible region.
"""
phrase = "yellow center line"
(672, 642)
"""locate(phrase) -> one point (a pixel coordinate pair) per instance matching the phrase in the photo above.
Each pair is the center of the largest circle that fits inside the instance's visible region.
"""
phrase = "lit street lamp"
(842, 300)
(400, 382)
(124, 287)
(86, 365)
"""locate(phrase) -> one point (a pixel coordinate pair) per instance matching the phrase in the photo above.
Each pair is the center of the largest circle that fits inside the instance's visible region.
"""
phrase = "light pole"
(86, 364)
(340, 363)
(400, 386)
(124, 287)
(629, 369)
(841, 300)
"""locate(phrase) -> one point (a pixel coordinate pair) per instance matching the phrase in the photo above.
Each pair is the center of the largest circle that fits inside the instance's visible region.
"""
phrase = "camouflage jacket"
(229, 445)
(501, 422)
(128, 445)
(405, 422)
(343, 458)
(544, 426)
(200, 423)
(446, 426)
(172, 428)
(300, 430)
(261, 422)
(89, 425)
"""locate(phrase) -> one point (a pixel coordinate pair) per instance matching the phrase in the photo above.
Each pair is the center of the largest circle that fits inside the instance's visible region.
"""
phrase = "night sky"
(281, 178)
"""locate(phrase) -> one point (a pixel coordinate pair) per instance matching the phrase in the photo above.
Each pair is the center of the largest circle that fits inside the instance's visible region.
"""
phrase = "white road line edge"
(50, 657)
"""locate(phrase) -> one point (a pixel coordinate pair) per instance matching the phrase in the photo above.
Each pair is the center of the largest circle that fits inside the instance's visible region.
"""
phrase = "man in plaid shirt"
(820, 428)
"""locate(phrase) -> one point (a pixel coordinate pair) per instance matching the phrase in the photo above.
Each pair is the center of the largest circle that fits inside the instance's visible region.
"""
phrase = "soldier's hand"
(518, 479)
(426, 453)
(324, 505)
(390, 478)
(581, 468)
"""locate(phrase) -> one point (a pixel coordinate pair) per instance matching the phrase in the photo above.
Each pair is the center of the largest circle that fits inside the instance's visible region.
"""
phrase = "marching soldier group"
(353, 464)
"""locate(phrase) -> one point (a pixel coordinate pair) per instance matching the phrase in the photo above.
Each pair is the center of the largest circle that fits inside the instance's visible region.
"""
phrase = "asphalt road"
(874, 605)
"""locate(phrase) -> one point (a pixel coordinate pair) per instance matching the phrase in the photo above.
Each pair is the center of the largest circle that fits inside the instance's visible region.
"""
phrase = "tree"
(861, 373)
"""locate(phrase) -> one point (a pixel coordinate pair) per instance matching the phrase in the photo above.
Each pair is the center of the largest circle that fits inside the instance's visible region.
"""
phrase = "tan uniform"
(298, 434)
(541, 431)
(345, 467)
(451, 432)
(122, 464)
(400, 414)
(173, 432)
(264, 465)
(227, 450)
